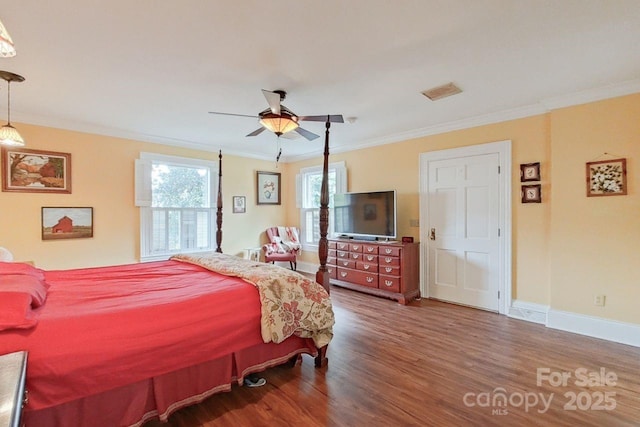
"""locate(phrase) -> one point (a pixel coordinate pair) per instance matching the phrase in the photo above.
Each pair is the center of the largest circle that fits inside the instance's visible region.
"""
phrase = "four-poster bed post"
(219, 211)
(322, 276)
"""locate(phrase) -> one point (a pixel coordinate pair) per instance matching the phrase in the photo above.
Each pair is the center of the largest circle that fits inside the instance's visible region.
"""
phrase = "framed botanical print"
(530, 172)
(239, 204)
(268, 188)
(607, 178)
(531, 193)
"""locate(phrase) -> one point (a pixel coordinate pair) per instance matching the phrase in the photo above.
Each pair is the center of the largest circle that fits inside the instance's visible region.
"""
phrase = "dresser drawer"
(346, 263)
(389, 283)
(331, 260)
(391, 270)
(332, 245)
(369, 249)
(332, 253)
(355, 247)
(343, 254)
(367, 266)
(333, 271)
(358, 277)
(342, 246)
(355, 256)
(389, 250)
(388, 260)
(373, 259)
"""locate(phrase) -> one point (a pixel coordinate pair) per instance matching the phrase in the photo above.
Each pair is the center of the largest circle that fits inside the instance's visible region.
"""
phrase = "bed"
(121, 345)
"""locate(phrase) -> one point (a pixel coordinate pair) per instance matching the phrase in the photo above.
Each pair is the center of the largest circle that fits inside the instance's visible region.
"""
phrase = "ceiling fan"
(280, 120)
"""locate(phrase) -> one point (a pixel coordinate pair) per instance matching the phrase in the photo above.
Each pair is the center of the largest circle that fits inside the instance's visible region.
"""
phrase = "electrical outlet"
(599, 300)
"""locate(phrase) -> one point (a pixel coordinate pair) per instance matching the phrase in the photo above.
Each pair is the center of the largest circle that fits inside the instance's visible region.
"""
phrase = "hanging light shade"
(7, 49)
(8, 134)
(279, 123)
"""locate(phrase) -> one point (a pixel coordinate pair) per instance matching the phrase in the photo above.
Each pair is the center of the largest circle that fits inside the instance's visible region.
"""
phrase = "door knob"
(432, 234)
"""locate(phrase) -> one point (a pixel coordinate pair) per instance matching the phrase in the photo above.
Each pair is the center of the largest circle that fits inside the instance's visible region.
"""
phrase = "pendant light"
(8, 134)
(7, 50)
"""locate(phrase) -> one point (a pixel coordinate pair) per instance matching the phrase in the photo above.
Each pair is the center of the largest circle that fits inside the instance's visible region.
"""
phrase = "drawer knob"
(369, 279)
(370, 249)
(388, 269)
(387, 251)
(388, 260)
(345, 263)
(388, 282)
(356, 256)
(356, 247)
(343, 274)
(366, 266)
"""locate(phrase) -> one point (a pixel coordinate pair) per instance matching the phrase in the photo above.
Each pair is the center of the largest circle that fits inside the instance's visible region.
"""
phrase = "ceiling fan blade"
(257, 131)
(333, 118)
(290, 135)
(309, 135)
(232, 114)
(273, 99)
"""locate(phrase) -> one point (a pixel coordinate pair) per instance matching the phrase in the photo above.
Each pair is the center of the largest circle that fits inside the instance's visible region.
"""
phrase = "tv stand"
(385, 269)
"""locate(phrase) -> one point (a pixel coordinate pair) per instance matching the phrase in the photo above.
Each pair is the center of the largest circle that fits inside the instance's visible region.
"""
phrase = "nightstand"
(13, 372)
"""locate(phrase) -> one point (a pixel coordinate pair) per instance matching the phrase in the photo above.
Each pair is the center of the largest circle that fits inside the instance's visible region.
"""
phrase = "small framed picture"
(530, 172)
(531, 193)
(268, 188)
(607, 178)
(66, 223)
(407, 239)
(239, 204)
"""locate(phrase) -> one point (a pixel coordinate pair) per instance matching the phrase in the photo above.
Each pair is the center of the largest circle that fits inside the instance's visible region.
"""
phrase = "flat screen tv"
(368, 215)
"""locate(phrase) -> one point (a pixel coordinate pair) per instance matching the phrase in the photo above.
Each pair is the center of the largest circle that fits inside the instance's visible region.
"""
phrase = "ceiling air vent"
(441, 91)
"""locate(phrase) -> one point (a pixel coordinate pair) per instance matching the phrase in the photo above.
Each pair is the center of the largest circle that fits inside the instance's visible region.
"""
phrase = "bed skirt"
(158, 397)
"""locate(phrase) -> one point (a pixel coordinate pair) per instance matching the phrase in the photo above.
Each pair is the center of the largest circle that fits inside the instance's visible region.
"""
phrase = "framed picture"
(66, 223)
(531, 193)
(239, 204)
(35, 171)
(607, 178)
(268, 188)
(530, 172)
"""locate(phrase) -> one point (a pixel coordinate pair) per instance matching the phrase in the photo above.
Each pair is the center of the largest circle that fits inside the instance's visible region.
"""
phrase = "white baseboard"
(597, 327)
(529, 311)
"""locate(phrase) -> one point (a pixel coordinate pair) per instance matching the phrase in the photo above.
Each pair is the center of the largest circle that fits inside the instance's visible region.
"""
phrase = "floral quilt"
(291, 303)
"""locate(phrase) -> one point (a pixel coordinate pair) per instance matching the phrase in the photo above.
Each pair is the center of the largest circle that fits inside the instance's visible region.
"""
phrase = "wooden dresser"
(13, 368)
(384, 269)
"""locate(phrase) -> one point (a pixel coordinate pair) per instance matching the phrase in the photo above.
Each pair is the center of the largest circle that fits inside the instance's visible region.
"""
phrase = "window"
(309, 183)
(177, 199)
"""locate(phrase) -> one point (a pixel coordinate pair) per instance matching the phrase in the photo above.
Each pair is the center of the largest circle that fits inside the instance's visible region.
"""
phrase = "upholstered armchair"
(282, 248)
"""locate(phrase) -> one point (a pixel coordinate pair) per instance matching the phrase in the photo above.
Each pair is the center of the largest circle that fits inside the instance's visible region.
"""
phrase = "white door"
(462, 234)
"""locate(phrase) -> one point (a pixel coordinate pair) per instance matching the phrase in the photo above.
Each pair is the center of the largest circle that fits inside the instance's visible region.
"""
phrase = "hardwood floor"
(436, 364)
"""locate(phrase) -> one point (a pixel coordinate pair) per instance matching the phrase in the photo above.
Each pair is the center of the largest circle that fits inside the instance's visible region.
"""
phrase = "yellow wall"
(595, 241)
(567, 248)
(103, 178)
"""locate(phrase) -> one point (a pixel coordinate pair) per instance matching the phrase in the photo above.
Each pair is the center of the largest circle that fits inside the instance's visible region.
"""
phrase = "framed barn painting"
(66, 223)
(35, 171)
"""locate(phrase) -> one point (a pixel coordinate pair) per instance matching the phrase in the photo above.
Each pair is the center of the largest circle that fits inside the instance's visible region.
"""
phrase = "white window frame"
(143, 199)
(340, 170)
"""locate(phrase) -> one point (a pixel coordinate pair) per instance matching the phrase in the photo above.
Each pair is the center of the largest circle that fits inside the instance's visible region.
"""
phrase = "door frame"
(503, 149)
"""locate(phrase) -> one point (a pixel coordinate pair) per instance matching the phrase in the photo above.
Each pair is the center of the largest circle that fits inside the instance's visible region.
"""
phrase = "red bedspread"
(102, 328)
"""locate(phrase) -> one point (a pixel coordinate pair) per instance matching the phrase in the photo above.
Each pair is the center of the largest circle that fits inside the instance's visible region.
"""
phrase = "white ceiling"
(152, 69)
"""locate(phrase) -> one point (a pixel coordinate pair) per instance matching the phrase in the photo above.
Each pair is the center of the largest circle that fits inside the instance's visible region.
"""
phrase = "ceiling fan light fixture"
(7, 50)
(279, 123)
